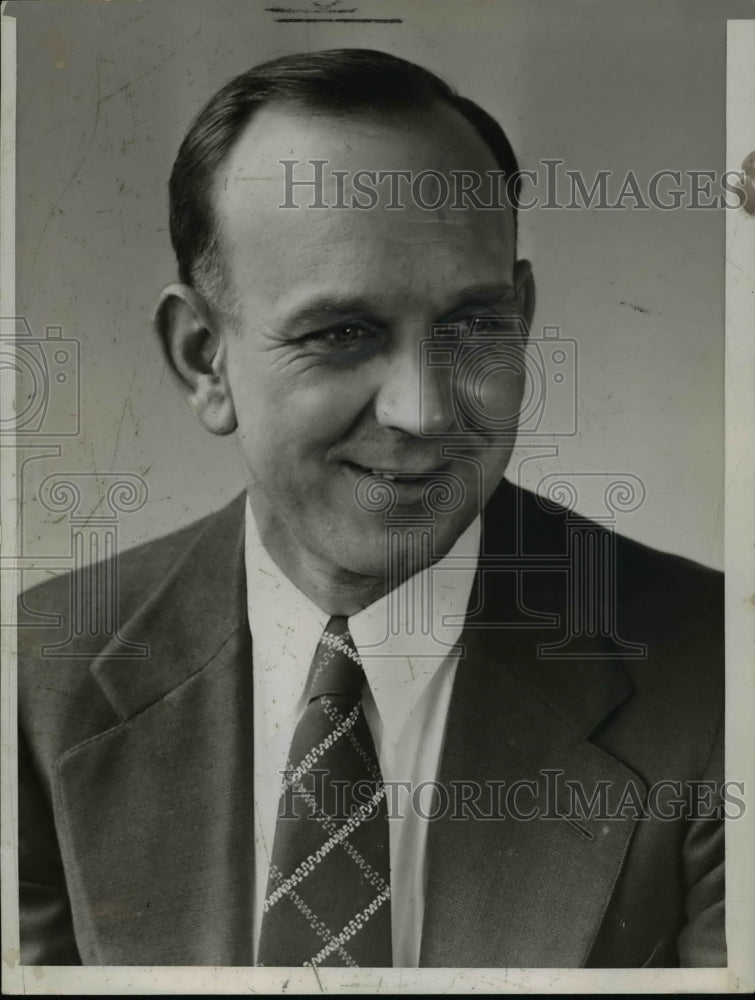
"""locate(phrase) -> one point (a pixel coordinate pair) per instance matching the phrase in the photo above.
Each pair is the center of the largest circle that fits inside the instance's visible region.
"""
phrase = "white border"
(739, 509)
(12, 974)
(740, 622)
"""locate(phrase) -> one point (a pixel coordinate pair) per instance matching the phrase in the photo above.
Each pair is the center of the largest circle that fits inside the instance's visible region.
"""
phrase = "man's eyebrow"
(481, 294)
(330, 306)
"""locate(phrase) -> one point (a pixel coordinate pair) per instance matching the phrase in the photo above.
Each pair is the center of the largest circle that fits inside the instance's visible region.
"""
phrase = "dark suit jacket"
(136, 800)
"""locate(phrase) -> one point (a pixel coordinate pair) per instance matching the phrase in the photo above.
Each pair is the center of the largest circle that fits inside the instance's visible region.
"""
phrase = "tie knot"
(337, 668)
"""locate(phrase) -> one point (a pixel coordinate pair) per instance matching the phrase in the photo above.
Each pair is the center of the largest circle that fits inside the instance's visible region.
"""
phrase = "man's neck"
(334, 589)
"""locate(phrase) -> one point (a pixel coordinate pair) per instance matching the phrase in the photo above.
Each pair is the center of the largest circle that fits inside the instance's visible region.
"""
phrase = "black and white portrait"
(368, 491)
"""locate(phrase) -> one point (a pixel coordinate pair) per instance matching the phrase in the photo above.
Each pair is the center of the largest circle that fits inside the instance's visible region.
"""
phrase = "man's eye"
(349, 337)
(501, 321)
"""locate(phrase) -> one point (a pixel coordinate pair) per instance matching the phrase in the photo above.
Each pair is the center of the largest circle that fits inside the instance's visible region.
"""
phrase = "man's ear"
(524, 283)
(196, 355)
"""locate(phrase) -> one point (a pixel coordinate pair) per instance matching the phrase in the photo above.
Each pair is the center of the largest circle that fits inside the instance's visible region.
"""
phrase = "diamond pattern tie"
(328, 894)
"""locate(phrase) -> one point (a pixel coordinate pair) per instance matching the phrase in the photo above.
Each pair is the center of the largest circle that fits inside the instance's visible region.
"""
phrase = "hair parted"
(337, 80)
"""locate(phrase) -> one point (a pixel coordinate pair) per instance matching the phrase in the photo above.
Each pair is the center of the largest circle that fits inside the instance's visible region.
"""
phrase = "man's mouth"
(415, 475)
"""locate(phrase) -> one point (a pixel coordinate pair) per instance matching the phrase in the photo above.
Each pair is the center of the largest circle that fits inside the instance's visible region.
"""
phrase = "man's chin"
(393, 550)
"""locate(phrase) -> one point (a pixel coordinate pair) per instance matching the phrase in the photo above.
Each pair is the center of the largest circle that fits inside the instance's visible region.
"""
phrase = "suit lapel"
(157, 812)
(511, 891)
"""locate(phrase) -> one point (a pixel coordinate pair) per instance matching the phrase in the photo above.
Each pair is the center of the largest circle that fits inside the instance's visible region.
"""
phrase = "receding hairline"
(341, 83)
(292, 107)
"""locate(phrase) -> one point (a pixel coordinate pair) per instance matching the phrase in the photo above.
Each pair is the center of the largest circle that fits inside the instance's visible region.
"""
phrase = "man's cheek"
(488, 395)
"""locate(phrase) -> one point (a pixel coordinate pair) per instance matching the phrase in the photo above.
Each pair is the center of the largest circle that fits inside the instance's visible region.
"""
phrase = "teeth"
(409, 477)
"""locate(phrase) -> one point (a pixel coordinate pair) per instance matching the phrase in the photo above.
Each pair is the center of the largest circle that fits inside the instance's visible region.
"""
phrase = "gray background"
(105, 93)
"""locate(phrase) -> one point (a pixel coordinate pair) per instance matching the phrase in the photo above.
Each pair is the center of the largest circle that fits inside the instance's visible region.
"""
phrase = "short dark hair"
(338, 80)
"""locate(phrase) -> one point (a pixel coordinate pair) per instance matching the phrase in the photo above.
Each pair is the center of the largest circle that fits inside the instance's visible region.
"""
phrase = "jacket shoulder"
(639, 569)
(67, 621)
(672, 605)
(139, 569)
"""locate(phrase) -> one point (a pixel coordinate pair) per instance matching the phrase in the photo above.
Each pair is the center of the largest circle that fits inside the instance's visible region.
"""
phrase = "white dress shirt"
(410, 676)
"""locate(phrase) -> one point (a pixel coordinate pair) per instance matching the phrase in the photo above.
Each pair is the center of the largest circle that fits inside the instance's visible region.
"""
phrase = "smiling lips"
(399, 475)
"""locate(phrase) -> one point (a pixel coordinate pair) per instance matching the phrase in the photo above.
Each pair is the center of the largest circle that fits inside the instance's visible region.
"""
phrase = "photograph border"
(739, 976)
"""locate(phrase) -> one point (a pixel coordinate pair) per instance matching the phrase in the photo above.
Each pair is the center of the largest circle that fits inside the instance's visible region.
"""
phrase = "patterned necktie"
(328, 894)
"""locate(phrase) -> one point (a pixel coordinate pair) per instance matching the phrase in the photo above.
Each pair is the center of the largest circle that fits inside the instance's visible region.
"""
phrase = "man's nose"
(416, 394)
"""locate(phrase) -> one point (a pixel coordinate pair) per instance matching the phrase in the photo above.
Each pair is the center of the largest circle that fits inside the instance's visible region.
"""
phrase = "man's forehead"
(389, 153)
(439, 134)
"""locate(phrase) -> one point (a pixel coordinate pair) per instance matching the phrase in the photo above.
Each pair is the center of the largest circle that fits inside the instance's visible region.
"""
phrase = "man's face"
(325, 363)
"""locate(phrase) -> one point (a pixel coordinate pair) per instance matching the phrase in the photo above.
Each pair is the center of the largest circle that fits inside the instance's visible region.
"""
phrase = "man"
(380, 611)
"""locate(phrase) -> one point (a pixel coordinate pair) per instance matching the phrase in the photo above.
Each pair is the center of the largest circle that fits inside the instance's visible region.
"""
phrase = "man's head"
(307, 329)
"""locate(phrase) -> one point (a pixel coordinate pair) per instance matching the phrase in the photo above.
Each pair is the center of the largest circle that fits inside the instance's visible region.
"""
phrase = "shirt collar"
(405, 636)
(283, 622)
